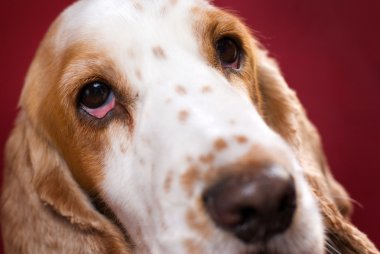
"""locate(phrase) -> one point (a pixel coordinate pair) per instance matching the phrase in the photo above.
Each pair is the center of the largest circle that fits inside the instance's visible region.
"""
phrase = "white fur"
(161, 144)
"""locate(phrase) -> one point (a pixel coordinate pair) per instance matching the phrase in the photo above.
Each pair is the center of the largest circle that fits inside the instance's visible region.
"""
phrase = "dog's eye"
(97, 99)
(228, 53)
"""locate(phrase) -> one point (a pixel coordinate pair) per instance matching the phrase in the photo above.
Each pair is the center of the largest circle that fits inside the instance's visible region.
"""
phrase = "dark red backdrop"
(329, 52)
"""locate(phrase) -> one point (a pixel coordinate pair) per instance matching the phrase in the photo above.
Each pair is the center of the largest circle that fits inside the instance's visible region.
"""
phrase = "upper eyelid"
(83, 70)
(94, 79)
(75, 79)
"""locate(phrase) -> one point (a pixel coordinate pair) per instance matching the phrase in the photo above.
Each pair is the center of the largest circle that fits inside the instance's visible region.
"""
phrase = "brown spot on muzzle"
(191, 246)
(173, 2)
(241, 139)
(183, 115)
(220, 144)
(206, 89)
(138, 6)
(207, 159)
(198, 220)
(189, 178)
(159, 52)
(181, 90)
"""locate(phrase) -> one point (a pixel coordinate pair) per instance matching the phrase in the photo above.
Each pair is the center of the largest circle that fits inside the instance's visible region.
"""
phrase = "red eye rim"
(103, 110)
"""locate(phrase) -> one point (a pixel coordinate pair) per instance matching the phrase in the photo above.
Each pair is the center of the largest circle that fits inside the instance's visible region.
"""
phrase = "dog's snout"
(253, 206)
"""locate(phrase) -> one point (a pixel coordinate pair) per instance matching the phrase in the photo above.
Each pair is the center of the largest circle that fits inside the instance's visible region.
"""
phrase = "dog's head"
(171, 114)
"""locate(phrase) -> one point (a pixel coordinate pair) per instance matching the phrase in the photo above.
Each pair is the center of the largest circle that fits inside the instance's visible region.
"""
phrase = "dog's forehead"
(131, 22)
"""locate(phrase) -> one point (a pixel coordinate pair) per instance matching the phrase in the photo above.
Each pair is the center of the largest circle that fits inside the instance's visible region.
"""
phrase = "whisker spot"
(206, 89)
(220, 144)
(183, 115)
(181, 90)
(241, 139)
(159, 52)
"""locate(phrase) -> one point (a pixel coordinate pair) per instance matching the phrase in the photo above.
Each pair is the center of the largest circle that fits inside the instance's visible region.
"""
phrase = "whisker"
(331, 249)
(350, 199)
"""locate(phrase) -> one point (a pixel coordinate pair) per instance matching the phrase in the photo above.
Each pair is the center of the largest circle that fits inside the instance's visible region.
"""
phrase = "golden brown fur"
(36, 217)
(44, 206)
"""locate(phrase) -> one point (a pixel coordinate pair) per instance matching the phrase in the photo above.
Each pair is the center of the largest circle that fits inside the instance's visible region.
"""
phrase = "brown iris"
(228, 53)
(94, 95)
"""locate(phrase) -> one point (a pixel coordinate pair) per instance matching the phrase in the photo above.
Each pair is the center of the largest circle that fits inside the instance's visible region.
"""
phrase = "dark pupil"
(227, 51)
(94, 95)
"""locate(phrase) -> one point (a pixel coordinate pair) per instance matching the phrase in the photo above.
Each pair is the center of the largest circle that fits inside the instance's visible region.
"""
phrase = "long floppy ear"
(43, 209)
(284, 114)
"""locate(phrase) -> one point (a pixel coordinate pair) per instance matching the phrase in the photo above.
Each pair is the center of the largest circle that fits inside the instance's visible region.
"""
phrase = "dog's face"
(157, 108)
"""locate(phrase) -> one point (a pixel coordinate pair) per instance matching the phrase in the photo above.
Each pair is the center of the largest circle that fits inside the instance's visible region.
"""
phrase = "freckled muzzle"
(255, 204)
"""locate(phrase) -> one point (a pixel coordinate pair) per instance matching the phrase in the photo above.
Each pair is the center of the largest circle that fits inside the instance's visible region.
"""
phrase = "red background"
(329, 52)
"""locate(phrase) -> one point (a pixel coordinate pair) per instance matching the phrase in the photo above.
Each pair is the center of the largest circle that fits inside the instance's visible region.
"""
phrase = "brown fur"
(36, 217)
(44, 161)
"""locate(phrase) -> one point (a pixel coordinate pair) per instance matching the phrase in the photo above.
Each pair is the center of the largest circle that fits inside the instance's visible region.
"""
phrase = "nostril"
(254, 207)
(247, 214)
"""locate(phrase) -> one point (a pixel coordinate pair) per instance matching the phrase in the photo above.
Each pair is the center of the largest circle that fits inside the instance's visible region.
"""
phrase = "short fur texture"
(66, 189)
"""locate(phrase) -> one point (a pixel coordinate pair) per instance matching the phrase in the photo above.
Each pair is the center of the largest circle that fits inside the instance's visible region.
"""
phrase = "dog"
(164, 127)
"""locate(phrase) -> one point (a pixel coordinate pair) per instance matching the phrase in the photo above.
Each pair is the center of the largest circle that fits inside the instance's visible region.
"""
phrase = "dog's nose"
(253, 206)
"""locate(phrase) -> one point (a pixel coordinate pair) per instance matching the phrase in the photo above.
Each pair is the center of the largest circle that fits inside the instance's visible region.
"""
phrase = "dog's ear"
(284, 114)
(42, 201)
(277, 100)
(341, 235)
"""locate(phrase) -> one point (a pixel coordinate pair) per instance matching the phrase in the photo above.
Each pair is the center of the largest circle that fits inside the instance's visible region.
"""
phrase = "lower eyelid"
(236, 65)
(102, 111)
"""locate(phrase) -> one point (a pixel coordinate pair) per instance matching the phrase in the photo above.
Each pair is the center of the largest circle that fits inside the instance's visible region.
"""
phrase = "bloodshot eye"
(97, 99)
(229, 53)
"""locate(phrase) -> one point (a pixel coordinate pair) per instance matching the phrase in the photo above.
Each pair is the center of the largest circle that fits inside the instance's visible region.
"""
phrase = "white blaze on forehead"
(122, 23)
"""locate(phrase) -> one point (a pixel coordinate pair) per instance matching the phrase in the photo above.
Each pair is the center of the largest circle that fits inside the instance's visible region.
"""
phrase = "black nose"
(255, 206)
